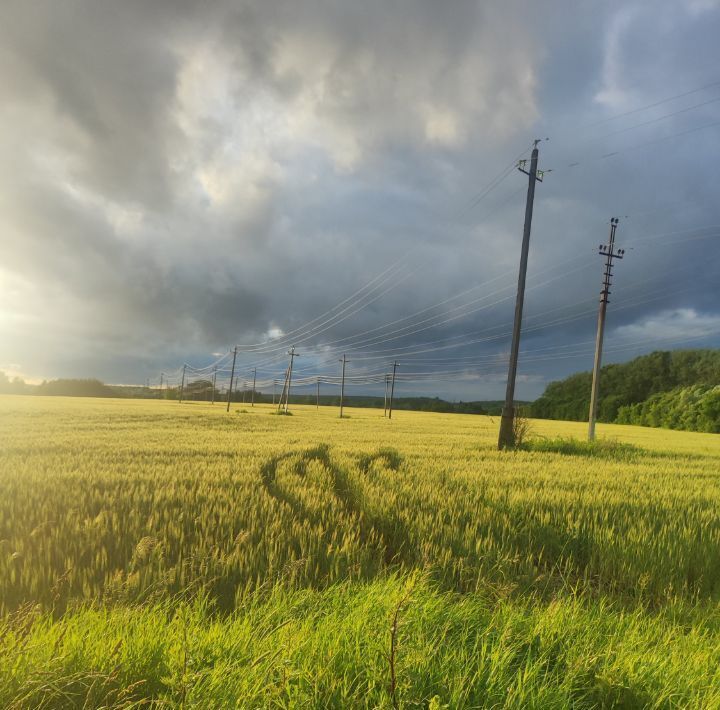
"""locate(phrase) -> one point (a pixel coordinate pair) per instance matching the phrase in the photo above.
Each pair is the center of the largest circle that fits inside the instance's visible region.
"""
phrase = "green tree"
(623, 386)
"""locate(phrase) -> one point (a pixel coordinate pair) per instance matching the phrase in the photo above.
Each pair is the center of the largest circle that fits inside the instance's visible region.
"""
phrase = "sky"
(179, 178)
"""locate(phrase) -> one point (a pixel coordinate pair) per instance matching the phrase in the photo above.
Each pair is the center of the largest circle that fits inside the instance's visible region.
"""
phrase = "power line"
(655, 104)
(629, 149)
(660, 118)
(335, 320)
(381, 277)
(411, 352)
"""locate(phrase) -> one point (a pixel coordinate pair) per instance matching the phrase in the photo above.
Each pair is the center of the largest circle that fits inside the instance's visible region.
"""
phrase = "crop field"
(173, 555)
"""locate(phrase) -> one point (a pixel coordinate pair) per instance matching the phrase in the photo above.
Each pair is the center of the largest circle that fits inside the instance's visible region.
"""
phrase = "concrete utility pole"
(292, 355)
(182, 384)
(252, 400)
(608, 251)
(317, 405)
(282, 391)
(344, 361)
(232, 374)
(392, 389)
(507, 435)
(213, 384)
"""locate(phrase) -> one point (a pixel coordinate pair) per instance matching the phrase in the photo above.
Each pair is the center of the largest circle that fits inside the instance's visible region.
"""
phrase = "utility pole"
(292, 355)
(244, 391)
(282, 393)
(344, 361)
(274, 384)
(317, 405)
(252, 400)
(182, 385)
(507, 435)
(387, 380)
(161, 383)
(232, 374)
(392, 389)
(608, 251)
(213, 384)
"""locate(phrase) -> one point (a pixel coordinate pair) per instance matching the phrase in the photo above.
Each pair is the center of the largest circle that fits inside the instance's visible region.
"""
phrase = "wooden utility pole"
(182, 384)
(608, 251)
(252, 400)
(317, 405)
(507, 434)
(292, 355)
(232, 374)
(392, 389)
(387, 380)
(213, 384)
(344, 361)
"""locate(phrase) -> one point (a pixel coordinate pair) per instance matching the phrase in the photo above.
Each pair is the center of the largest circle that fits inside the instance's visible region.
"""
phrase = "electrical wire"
(655, 104)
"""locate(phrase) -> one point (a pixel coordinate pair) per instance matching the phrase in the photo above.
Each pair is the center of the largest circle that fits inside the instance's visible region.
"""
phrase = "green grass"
(330, 650)
(569, 446)
(156, 552)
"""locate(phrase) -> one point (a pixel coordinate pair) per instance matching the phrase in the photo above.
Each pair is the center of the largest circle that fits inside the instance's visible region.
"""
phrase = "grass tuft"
(601, 448)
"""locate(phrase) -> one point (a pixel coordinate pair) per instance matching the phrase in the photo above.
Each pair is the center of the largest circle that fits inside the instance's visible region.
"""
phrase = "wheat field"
(174, 555)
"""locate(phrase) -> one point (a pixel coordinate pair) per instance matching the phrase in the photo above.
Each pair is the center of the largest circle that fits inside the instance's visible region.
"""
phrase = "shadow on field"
(373, 526)
(356, 524)
(390, 457)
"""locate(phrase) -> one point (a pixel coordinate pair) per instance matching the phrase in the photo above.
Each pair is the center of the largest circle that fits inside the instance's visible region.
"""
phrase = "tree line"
(202, 390)
(675, 389)
(61, 387)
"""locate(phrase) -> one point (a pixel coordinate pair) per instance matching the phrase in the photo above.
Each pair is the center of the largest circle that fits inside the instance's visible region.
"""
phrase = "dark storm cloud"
(183, 176)
(104, 76)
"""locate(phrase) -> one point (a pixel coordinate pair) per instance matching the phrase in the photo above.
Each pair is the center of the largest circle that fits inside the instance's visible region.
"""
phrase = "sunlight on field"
(119, 502)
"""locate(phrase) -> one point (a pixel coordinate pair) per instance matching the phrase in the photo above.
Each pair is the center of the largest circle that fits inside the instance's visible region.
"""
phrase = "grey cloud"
(183, 175)
(106, 81)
